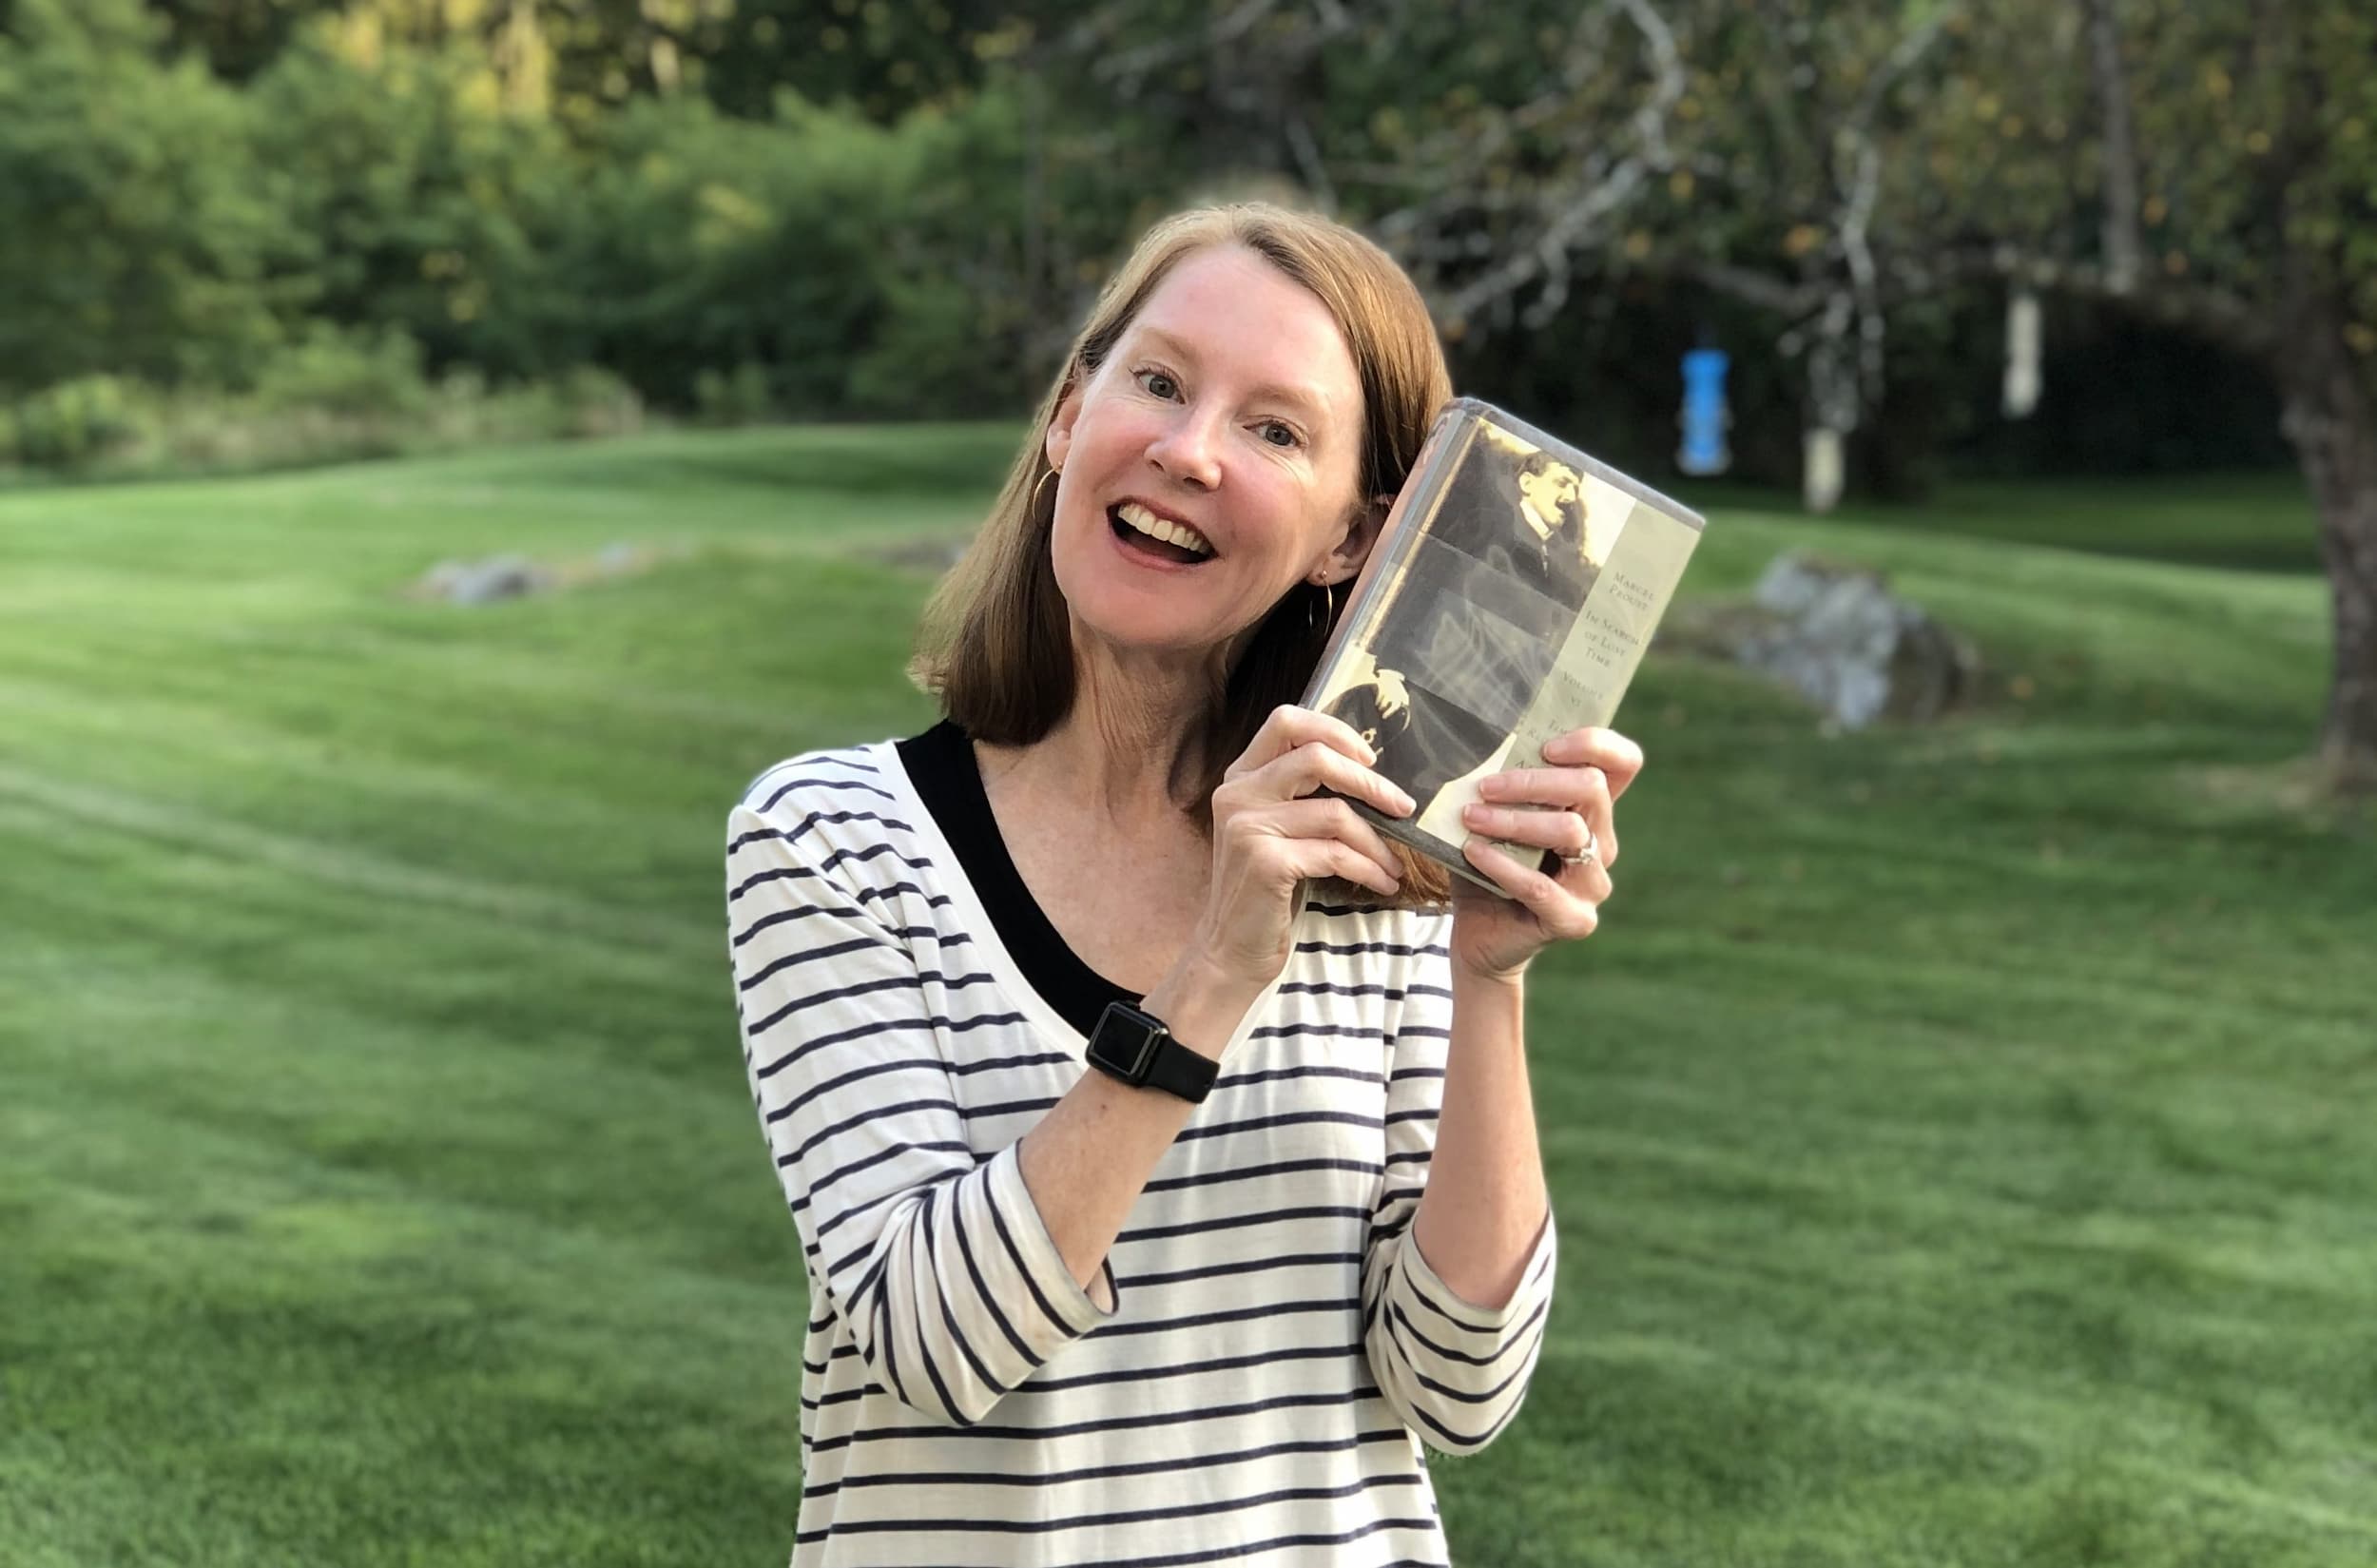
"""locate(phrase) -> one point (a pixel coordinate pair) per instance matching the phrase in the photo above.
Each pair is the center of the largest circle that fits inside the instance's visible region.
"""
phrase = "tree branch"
(2120, 149)
(1329, 20)
(2215, 315)
(1577, 215)
(1757, 289)
(1309, 162)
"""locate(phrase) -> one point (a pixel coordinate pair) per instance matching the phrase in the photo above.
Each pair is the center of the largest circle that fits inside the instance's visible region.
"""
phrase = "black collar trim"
(948, 779)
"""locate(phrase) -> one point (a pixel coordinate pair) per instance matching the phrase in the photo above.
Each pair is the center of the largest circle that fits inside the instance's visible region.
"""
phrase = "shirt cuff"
(1054, 1289)
(1463, 1325)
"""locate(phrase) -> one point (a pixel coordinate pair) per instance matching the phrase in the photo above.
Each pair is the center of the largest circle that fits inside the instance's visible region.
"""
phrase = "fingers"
(1311, 767)
(1314, 766)
(1612, 753)
(1289, 727)
(1586, 793)
(1562, 912)
(1564, 833)
(1277, 846)
(1284, 812)
(1318, 858)
(1273, 829)
(1322, 817)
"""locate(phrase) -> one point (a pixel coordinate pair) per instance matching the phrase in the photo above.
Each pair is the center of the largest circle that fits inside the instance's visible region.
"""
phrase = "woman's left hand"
(1567, 806)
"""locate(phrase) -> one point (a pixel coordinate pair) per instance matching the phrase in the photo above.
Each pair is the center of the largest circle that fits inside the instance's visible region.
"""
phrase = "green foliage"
(73, 424)
(899, 207)
(884, 59)
(737, 396)
(707, 242)
(134, 236)
(2255, 140)
(938, 351)
(352, 225)
(345, 373)
(415, 202)
(330, 398)
(238, 38)
(857, 268)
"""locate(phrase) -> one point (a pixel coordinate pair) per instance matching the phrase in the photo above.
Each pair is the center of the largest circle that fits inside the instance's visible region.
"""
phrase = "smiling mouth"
(1142, 530)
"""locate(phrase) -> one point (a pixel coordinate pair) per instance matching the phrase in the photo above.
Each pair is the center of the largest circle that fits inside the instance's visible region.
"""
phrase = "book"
(1509, 599)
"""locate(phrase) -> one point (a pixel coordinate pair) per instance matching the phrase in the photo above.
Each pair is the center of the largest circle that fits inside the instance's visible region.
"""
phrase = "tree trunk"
(2332, 421)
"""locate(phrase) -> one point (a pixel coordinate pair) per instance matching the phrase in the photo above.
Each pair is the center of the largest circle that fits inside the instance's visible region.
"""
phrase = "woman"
(1157, 1206)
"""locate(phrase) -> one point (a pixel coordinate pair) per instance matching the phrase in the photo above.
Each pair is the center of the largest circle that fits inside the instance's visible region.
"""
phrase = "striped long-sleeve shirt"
(1278, 1350)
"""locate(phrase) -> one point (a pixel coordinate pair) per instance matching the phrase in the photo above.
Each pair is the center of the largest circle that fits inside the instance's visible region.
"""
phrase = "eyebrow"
(1295, 398)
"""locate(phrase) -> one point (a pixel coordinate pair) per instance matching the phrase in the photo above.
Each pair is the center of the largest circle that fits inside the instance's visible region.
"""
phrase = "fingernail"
(1409, 805)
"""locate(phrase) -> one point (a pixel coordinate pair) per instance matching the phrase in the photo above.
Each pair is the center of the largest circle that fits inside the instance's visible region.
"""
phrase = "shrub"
(739, 396)
(358, 374)
(594, 401)
(75, 424)
(106, 427)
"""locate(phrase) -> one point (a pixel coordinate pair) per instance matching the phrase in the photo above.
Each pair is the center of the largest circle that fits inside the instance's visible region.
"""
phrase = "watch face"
(1124, 1043)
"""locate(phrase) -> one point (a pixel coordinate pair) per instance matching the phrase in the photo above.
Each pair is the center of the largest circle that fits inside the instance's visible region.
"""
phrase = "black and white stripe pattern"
(1278, 1349)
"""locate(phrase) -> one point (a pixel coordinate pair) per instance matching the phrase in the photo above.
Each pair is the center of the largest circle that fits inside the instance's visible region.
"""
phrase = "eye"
(1157, 383)
(1281, 435)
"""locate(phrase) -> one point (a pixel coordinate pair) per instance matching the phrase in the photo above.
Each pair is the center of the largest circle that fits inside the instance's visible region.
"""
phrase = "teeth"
(1146, 522)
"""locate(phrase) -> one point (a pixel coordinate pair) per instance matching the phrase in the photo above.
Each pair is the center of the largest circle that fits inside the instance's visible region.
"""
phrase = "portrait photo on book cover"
(1480, 604)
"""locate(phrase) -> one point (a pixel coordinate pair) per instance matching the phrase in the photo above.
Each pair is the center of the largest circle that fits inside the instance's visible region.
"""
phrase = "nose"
(1189, 449)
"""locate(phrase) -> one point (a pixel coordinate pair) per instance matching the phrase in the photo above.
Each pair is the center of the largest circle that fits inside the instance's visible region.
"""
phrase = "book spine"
(1413, 515)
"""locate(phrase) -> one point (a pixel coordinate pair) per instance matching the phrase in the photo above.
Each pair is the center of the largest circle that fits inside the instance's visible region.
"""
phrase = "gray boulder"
(1836, 634)
(484, 582)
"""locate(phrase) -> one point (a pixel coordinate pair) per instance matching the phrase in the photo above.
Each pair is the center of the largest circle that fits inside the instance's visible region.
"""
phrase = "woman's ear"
(1362, 527)
(1059, 440)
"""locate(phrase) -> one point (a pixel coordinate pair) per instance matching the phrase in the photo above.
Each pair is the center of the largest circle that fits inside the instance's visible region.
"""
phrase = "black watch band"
(1136, 1047)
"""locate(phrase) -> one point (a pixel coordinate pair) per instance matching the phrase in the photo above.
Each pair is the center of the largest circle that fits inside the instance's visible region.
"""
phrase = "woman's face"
(1211, 462)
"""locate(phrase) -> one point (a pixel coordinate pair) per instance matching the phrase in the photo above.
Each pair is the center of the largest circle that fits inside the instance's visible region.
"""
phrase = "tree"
(2226, 151)
(130, 239)
(2206, 164)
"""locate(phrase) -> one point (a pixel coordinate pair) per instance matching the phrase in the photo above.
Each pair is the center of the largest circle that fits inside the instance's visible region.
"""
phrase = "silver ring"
(1586, 856)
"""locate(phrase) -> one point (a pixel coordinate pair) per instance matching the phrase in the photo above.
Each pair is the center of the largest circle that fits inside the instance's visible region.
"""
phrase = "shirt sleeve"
(940, 1265)
(1455, 1372)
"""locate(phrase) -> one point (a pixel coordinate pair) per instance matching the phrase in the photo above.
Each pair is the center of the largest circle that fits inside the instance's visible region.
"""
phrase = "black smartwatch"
(1136, 1047)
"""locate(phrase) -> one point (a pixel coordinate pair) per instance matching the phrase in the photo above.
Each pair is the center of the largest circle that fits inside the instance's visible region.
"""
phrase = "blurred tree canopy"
(895, 206)
(898, 208)
(1864, 174)
(184, 190)
(887, 206)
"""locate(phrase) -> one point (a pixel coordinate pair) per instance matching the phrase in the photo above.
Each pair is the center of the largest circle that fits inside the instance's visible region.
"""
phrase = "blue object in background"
(1704, 414)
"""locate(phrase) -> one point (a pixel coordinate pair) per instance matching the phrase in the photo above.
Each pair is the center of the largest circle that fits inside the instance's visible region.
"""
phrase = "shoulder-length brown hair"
(996, 641)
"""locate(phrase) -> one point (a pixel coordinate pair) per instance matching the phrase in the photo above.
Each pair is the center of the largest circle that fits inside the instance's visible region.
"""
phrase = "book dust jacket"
(1509, 599)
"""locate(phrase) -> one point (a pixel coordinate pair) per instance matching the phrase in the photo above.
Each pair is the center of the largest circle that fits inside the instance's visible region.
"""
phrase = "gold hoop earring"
(1037, 488)
(1328, 608)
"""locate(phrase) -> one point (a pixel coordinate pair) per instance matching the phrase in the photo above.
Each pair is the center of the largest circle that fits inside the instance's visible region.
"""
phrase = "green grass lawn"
(1964, 1141)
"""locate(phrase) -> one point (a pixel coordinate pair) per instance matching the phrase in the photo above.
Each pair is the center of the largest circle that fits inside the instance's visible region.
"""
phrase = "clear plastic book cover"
(1510, 599)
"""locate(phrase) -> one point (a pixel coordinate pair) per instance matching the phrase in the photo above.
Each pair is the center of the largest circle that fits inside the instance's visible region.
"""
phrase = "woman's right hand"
(1271, 832)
